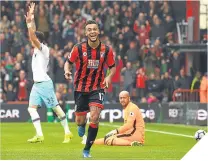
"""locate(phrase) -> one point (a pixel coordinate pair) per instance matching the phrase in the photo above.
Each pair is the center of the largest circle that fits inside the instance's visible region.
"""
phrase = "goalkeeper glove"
(111, 133)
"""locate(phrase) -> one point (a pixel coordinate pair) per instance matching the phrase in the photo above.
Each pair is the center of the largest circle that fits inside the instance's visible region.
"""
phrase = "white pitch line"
(155, 131)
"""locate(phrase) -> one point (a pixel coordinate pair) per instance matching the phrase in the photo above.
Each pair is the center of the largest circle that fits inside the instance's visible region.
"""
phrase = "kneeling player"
(132, 132)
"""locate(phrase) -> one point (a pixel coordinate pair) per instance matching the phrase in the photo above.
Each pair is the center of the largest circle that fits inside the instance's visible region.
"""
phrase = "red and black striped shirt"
(89, 75)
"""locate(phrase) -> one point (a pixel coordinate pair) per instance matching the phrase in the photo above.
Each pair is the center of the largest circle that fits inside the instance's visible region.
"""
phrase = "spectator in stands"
(205, 38)
(149, 60)
(59, 70)
(110, 25)
(169, 24)
(18, 40)
(121, 52)
(168, 86)
(156, 49)
(67, 48)
(116, 79)
(16, 71)
(68, 33)
(164, 66)
(196, 81)
(55, 8)
(145, 49)
(204, 89)
(176, 82)
(143, 100)
(10, 93)
(175, 64)
(184, 80)
(141, 79)
(22, 93)
(19, 23)
(5, 23)
(17, 10)
(126, 19)
(4, 43)
(132, 54)
(141, 19)
(8, 68)
(129, 77)
(56, 37)
(143, 34)
(151, 10)
(151, 98)
(166, 9)
(158, 29)
(42, 19)
(127, 34)
(20, 59)
(154, 87)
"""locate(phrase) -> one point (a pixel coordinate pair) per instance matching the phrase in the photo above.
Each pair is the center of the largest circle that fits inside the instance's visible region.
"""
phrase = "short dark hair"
(40, 36)
(91, 22)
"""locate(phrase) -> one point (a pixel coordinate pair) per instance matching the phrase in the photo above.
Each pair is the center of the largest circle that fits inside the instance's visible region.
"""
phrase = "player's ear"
(85, 32)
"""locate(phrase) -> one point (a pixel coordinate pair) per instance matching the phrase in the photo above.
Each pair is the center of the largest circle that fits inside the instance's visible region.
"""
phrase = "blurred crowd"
(137, 31)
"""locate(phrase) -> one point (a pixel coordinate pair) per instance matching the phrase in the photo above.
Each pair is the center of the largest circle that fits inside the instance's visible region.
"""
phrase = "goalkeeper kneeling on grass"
(132, 133)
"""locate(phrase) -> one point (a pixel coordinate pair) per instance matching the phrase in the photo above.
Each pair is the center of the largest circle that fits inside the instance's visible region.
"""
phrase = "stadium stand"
(137, 31)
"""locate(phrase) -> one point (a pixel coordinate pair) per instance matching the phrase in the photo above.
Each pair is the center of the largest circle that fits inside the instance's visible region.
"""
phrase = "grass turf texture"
(158, 146)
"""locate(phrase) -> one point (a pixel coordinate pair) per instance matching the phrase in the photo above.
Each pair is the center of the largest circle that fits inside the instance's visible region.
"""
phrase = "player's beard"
(124, 104)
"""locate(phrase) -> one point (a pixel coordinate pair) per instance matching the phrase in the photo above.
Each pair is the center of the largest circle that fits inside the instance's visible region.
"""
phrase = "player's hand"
(32, 8)
(111, 133)
(107, 82)
(28, 18)
(68, 75)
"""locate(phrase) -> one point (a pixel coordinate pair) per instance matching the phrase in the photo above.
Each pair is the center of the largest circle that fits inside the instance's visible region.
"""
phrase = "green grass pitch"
(158, 146)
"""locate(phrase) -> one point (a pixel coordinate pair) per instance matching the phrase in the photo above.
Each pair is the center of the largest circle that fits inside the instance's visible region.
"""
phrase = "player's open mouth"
(93, 36)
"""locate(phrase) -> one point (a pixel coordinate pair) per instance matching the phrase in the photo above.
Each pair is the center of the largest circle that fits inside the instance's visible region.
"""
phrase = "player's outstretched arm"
(32, 12)
(31, 26)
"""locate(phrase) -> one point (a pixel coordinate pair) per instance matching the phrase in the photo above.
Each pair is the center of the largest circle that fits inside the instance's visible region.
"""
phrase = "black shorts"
(83, 100)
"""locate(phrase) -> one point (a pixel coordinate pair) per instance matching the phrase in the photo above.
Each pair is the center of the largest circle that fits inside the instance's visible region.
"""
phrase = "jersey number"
(101, 95)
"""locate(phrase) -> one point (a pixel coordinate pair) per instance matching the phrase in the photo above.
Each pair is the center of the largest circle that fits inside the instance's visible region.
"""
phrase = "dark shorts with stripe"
(83, 100)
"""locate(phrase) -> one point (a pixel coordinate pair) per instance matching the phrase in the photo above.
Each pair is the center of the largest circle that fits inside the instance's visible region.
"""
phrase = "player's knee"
(59, 112)
(80, 122)
(94, 119)
(31, 109)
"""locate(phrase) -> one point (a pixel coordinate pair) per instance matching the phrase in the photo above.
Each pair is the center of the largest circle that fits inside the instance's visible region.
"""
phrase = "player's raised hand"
(32, 8)
(68, 75)
(28, 17)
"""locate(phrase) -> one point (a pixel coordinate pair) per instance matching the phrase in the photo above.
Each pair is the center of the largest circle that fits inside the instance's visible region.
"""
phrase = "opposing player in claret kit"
(90, 58)
(43, 90)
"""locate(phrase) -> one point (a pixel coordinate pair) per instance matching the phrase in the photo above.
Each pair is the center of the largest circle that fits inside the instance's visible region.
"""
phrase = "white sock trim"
(35, 120)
